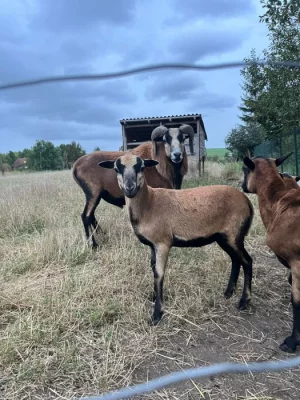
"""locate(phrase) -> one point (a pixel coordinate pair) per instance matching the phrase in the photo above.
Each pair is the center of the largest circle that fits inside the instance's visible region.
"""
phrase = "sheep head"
(286, 175)
(129, 169)
(174, 139)
(290, 180)
(259, 166)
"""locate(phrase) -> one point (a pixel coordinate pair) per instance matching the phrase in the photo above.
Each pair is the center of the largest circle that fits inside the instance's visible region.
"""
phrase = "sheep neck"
(138, 204)
(269, 190)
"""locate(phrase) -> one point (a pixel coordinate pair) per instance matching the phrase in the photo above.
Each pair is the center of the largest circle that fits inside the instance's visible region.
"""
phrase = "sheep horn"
(188, 130)
(280, 160)
(158, 133)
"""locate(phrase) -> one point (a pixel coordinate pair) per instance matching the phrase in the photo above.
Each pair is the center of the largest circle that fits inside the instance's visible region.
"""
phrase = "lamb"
(167, 147)
(163, 218)
(280, 212)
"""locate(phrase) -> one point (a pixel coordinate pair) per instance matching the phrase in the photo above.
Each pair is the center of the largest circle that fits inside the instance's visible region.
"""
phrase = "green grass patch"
(220, 152)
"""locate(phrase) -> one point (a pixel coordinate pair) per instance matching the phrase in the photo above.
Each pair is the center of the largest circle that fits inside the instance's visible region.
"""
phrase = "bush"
(5, 168)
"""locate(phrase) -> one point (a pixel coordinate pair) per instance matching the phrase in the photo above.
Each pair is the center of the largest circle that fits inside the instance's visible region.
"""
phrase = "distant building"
(20, 163)
(138, 130)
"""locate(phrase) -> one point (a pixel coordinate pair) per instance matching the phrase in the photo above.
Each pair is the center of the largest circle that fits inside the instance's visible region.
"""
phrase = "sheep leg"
(235, 265)
(153, 263)
(89, 221)
(247, 267)
(290, 343)
(234, 275)
(239, 256)
(290, 281)
(161, 253)
(96, 226)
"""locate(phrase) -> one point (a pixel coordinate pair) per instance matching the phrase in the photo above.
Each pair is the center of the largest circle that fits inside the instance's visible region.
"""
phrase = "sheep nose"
(130, 188)
(177, 154)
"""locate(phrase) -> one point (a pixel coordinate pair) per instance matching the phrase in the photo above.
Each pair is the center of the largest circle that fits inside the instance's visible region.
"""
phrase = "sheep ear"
(249, 163)
(107, 164)
(297, 178)
(280, 160)
(150, 163)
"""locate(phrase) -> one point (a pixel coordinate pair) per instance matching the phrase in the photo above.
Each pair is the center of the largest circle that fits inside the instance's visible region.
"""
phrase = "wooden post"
(199, 152)
(124, 138)
(296, 151)
(202, 149)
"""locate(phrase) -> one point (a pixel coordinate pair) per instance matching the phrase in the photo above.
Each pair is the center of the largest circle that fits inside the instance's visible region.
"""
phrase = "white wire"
(196, 373)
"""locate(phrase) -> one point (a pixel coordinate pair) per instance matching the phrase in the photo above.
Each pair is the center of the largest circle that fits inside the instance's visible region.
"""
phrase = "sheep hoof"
(228, 293)
(289, 345)
(93, 245)
(155, 319)
(243, 304)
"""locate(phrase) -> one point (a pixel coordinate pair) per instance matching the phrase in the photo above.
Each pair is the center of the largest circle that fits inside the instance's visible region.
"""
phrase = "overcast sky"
(46, 37)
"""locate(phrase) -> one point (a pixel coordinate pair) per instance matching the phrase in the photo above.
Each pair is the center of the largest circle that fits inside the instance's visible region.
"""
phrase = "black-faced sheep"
(167, 147)
(163, 218)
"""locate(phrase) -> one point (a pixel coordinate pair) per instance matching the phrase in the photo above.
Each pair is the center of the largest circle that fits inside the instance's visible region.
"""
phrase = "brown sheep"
(164, 218)
(290, 180)
(290, 183)
(167, 147)
(280, 212)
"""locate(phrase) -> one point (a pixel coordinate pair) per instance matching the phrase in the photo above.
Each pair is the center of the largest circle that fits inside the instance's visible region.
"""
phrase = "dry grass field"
(74, 322)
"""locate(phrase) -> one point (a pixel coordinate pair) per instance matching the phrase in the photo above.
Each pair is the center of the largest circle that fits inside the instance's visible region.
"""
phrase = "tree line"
(270, 103)
(44, 155)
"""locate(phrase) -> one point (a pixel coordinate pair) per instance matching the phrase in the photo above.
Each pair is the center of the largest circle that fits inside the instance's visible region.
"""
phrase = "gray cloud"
(86, 104)
(17, 62)
(35, 127)
(175, 86)
(54, 50)
(50, 37)
(194, 45)
(190, 41)
(188, 89)
(213, 9)
(76, 15)
(51, 130)
(212, 101)
(62, 95)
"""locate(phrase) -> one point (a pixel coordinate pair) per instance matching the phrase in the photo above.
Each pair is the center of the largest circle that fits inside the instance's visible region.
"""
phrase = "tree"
(74, 151)
(280, 13)
(243, 138)
(97, 148)
(11, 157)
(64, 155)
(253, 89)
(70, 153)
(271, 93)
(26, 153)
(45, 156)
